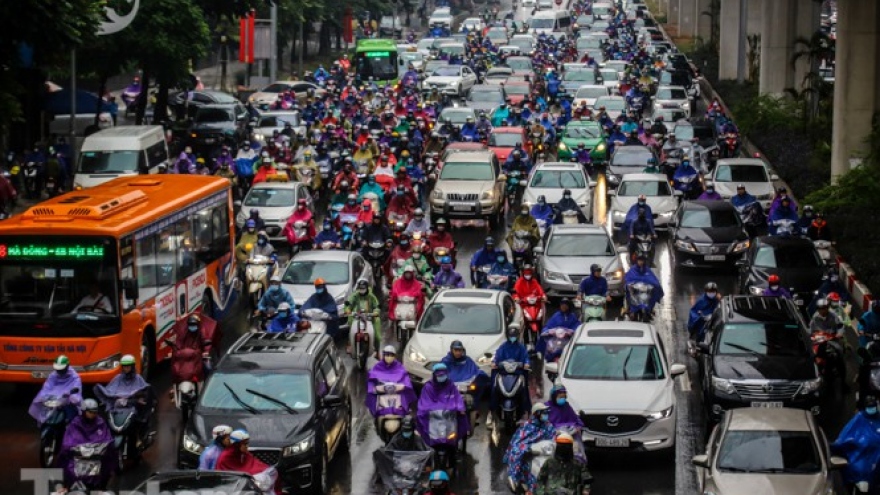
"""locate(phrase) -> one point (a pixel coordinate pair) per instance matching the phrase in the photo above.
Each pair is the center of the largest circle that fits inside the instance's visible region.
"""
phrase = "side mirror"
(703, 348)
(678, 194)
(677, 369)
(836, 462)
(332, 400)
(237, 203)
(701, 461)
(538, 250)
(623, 249)
(551, 368)
(774, 177)
(130, 288)
(612, 192)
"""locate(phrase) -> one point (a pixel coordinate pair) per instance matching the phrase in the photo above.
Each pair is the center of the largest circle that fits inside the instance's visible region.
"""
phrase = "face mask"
(399, 193)
(417, 256)
(326, 228)
(251, 230)
(774, 287)
(261, 242)
(527, 277)
(193, 328)
(440, 228)
(301, 207)
(389, 359)
(352, 202)
(404, 244)
(561, 401)
(524, 212)
(566, 196)
(871, 410)
(62, 372)
(282, 314)
(500, 259)
(711, 295)
(512, 340)
(544, 417)
(442, 378)
(319, 290)
(407, 434)
(371, 180)
(274, 288)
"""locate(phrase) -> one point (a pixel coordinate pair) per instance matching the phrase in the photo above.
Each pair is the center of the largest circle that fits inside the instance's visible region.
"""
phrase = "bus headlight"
(110, 363)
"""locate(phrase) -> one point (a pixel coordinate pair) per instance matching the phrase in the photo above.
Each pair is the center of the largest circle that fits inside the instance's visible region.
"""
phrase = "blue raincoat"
(593, 286)
(542, 212)
(645, 275)
(859, 442)
(282, 325)
(696, 325)
(463, 370)
(327, 304)
(741, 201)
(633, 213)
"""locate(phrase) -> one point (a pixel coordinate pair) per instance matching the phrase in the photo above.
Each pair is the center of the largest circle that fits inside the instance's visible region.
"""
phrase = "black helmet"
(193, 320)
(456, 344)
(513, 330)
(595, 268)
(490, 241)
(565, 301)
(711, 286)
(362, 284)
(407, 424)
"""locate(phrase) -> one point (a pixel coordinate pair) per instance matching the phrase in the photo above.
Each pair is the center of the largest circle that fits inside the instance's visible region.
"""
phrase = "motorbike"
(376, 252)
(348, 221)
(521, 249)
(542, 225)
(555, 340)
(644, 247)
(402, 472)
(824, 249)
(307, 176)
(638, 301)
(361, 333)
(257, 276)
(443, 438)
(318, 319)
(389, 410)
(481, 274)
(509, 383)
(31, 171)
(570, 217)
(52, 186)
(515, 180)
(828, 352)
(592, 308)
(52, 429)
(753, 218)
(533, 313)
(730, 146)
(129, 439)
(266, 480)
(398, 223)
(405, 319)
(496, 281)
(468, 390)
(783, 227)
(88, 466)
(539, 453)
(300, 235)
(689, 185)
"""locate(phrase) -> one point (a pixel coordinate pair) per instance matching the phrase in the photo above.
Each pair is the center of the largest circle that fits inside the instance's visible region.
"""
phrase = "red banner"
(347, 29)
(246, 38)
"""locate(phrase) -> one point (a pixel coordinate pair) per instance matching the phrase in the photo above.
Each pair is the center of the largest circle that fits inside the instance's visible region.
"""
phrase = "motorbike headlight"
(559, 277)
(416, 356)
(755, 290)
(77, 186)
(110, 363)
(810, 386)
(722, 385)
(685, 246)
(562, 146)
(487, 195)
(485, 359)
(601, 147)
(660, 414)
(191, 445)
(299, 447)
(438, 194)
(741, 246)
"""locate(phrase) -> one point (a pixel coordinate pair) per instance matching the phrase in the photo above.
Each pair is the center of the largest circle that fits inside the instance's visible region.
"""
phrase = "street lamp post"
(224, 58)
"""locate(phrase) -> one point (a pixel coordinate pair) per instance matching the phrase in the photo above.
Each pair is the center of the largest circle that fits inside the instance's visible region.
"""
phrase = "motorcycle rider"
(483, 256)
(389, 371)
(274, 296)
(526, 286)
(641, 272)
(407, 286)
(781, 194)
(418, 223)
(65, 382)
(323, 300)
(209, 456)
(819, 229)
(563, 318)
(301, 214)
(438, 483)
(561, 412)
(541, 211)
(704, 306)
(563, 471)
(805, 220)
(710, 194)
(238, 458)
(263, 248)
(536, 429)
(371, 187)
(742, 198)
(633, 213)
(189, 336)
(567, 204)
(125, 385)
(503, 267)
(527, 223)
(364, 301)
(285, 320)
(859, 443)
(640, 226)
(327, 234)
(869, 324)
(463, 369)
(469, 131)
(440, 237)
(775, 288)
(595, 284)
(407, 439)
(248, 238)
(440, 393)
(447, 276)
(826, 321)
(684, 170)
(87, 428)
(511, 350)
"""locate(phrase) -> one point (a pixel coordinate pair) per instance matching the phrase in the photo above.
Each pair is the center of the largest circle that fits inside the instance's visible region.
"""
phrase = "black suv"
(707, 234)
(290, 392)
(794, 259)
(219, 124)
(757, 353)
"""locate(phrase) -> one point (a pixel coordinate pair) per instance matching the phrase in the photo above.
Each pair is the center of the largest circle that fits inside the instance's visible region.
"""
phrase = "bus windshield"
(55, 286)
(380, 65)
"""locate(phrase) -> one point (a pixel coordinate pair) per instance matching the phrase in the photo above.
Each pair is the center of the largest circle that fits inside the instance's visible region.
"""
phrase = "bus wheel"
(148, 353)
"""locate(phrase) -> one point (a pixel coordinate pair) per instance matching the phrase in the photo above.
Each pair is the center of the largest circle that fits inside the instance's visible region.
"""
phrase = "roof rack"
(274, 342)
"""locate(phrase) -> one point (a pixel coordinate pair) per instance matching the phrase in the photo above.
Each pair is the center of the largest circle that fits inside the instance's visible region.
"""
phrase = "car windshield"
(579, 76)
(762, 339)
(741, 173)
(412, 56)
(279, 120)
(516, 89)
(505, 139)
(768, 451)
(214, 115)
(520, 64)
(466, 171)
(670, 94)
(97, 162)
(587, 42)
(456, 117)
(558, 179)
(614, 104)
(618, 362)
(670, 115)
(452, 50)
(802, 256)
(580, 245)
(494, 95)
(646, 187)
(461, 318)
(523, 45)
(447, 71)
(542, 23)
(247, 391)
(270, 197)
(305, 272)
(432, 65)
(609, 74)
(631, 156)
(582, 131)
(588, 92)
(275, 88)
(704, 218)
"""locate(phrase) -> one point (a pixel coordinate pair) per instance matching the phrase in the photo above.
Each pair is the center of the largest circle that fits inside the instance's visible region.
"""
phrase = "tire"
(148, 353)
(48, 451)
(362, 356)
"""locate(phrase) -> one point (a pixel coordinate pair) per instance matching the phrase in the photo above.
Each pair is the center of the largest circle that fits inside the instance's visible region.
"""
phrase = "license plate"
(40, 375)
(767, 405)
(715, 257)
(209, 140)
(612, 442)
(461, 208)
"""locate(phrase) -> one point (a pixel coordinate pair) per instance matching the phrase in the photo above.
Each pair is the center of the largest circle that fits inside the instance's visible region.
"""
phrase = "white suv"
(620, 383)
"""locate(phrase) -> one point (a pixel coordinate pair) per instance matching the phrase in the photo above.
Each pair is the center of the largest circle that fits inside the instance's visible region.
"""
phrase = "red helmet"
(833, 297)
(773, 279)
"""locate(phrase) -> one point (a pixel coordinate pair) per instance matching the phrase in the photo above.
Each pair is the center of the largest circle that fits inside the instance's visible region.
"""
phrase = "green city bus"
(376, 58)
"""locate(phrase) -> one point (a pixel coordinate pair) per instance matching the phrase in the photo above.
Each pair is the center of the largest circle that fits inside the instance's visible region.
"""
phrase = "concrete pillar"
(777, 35)
(806, 24)
(856, 81)
(704, 22)
(730, 47)
(687, 19)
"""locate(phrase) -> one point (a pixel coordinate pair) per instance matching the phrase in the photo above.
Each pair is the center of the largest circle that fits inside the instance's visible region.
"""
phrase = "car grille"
(268, 456)
(767, 390)
(273, 230)
(461, 197)
(712, 248)
(614, 424)
(576, 279)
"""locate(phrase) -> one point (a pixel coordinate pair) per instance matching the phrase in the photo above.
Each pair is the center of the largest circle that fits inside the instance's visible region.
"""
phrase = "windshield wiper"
(625, 362)
(734, 469)
(251, 409)
(272, 400)
(744, 348)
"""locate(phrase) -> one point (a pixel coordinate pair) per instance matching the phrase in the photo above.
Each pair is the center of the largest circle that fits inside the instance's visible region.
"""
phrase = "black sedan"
(707, 234)
(794, 259)
(216, 125)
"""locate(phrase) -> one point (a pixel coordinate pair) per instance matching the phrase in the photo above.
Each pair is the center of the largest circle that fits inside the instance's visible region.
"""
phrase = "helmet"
(439, 475)
(409, 269)
(513, 331)
(284, 307)
(808, 208)
(564, 438)
(389, 349)
(540, 406)
(90, 405)
(275, 278)
(781, 190)
(439, 367)
(319, 281)
(773, 279)
(419, 212)
(821, 303)
(238, 436)
(456, 344)
(595, 268)
(61, 363)
(490, 241)
(565, 301)
(407, 424)
(362, 284)
(711, 286)
(833, 297)
(127, 360)
(250, 224)
(221, 430)
(193, 320)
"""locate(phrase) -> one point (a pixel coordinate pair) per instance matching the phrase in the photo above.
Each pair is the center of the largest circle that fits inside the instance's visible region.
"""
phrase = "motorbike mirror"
(700, 460)
(538, 250)
(703, 348)
(612, 192)
(331, 400)
(237, 203)
(677, 369)
(678, 194)
(836, 462)
(708, 183)
(552, 368)
(774, 177)
(130, 288)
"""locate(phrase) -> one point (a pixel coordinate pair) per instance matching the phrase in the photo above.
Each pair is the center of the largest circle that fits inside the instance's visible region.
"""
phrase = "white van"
(551, 22)
(123, 150)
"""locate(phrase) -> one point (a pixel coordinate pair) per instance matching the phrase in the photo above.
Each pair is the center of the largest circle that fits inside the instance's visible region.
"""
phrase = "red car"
(503, 140)
(515, 91)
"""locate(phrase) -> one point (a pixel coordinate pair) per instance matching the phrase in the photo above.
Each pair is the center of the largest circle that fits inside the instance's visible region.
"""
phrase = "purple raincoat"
(440, 397)
(562, 415)
(81, 431)
(383, 373)
(56, 386)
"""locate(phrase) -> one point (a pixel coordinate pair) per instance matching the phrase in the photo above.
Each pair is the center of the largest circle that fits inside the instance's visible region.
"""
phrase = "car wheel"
(320, 487)
(345, 443)
(459, 91)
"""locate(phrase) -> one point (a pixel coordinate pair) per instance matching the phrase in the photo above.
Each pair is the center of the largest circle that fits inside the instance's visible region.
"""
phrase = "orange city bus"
(106, 271)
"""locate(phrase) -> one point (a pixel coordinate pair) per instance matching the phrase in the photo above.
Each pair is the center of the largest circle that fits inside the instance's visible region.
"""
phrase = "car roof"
(474, 296)
(560, 166)
(762, 419)
(263, 350)
(643, 177)
(323, 255)
(758, 309)
(507, 130)
(742, 161)
(670, 86)
(276, 185)
(471, 156)
(583, 123)
(578, 228)
(707, 205)
(463, 146)
(629, 332)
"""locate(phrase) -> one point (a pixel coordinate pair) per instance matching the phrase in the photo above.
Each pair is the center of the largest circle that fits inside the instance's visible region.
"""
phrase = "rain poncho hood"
(56, 385)
(859, 442)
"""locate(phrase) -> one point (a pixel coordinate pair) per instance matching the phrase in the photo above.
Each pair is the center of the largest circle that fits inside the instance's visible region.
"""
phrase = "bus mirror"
(130, 288)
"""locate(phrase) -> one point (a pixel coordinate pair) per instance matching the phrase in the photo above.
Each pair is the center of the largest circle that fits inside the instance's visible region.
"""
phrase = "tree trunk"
(324, 45)
(142, 102)
(294, 43)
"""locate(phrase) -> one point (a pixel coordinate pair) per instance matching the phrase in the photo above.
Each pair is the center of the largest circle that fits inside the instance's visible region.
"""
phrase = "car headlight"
(452, 84)
(191, 445)
(755, 290)
(741, 246)
(486, 359)
(559, 277)
(616, 274)
(722, 385)
(601, 147)
(686, 104)
(299, 447)
(685, 246)
(666, 214)
(416, 356)
(438, 194)
(562, 146)
(488, 195)
(110, 363)
(613, 179)
(810, 386)
(618, 214)
(660, 414)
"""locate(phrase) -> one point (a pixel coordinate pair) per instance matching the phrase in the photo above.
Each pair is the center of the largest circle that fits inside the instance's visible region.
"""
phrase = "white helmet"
(221, 430)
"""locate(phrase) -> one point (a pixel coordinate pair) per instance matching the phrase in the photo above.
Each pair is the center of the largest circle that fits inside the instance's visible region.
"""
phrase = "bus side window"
(204, 237)
(187, 252)
(166, 258)
(220, 220)
(148, 277)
